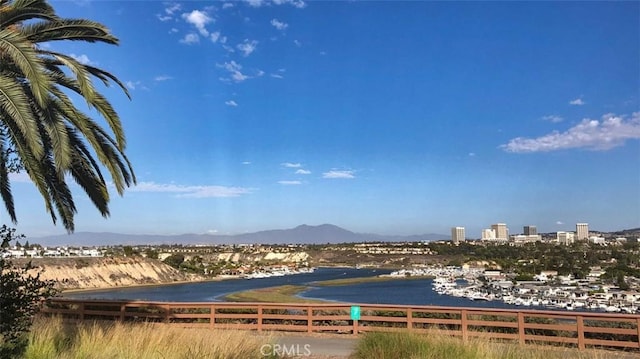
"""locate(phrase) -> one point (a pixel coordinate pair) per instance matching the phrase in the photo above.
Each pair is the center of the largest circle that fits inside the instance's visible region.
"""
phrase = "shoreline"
(277, 294)
(291, 293)
(104, 289)
(215, 279)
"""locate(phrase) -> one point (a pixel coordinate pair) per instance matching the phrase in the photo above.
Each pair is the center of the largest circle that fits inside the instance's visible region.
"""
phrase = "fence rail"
(579, 329)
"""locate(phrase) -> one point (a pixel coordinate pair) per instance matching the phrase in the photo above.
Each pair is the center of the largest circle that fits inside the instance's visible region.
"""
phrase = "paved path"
(317, 346)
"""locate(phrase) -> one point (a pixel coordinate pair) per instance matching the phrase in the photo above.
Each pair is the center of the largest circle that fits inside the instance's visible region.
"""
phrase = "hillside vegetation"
(108, 272)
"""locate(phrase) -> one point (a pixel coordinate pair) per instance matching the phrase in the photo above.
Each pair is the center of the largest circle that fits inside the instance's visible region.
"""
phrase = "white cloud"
(289, 183)
(83, 59)
(298, 43)
(279, 24)
(297, 3)
(182, 191)
(339, 174)
(198, 19)
(255, 3)
(472, 154)
(169, 10)
(291, 165)
(133, 84)
(612, 131)
(303, 172)
(577, 102)
(231, 103)
(246, 162)
(172, 8)
(277, 76)
(552, 118)
(227, 5)
(258, 3)
(212, 231)
(215, 36)
(247, 47)
(559, 223)
(163, 78)
(173, 30)
(234, 70)
(190, 39)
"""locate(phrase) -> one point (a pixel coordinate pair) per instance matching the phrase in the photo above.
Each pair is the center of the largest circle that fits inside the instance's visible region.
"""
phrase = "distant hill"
(304, 234)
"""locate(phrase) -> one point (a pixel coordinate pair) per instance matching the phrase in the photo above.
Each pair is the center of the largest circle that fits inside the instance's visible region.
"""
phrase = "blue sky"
(381, 117)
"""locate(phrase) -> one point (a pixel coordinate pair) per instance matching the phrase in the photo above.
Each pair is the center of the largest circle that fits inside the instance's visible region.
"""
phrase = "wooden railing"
(579, 329)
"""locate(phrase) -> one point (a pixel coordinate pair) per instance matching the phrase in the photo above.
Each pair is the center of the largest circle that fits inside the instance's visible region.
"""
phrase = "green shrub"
(21, 292)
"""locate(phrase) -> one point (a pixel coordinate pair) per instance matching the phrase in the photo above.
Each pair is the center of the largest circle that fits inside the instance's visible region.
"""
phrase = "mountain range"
(303, 234)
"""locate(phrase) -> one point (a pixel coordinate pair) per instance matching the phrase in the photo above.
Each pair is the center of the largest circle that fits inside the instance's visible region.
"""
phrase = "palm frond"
(82, 76)
(86, 175)
(5, 185)
(68, 29)
(15, 109)
(18, 50)
(15, 15)
(104, 75)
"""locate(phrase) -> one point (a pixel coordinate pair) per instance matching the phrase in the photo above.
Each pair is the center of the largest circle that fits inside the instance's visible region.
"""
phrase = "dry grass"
(51, 338)
(437, 346)
(279, 294)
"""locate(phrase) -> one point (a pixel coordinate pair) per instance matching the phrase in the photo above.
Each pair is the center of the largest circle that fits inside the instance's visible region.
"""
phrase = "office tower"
(501, 230)
(530, 230)
(582, 231)
(488, 235)
(457, 235)
(565, 238)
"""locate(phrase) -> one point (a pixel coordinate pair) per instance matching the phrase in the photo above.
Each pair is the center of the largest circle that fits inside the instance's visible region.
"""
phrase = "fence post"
(259, 318)
(82, 311)
(167, 309)
(355, 327)
(212, 316)
(638, 330)
(409, 318)
(463, 324)
(122, 310)
(309, 319)
(580, 323)
(521, 339)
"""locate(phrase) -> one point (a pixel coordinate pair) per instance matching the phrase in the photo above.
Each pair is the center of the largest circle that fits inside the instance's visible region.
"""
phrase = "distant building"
(530, 230)
(457, 235)
(501, 230)
(565, 238)
(597, 240)
(488, 235)
(523, 238)
(582, 231)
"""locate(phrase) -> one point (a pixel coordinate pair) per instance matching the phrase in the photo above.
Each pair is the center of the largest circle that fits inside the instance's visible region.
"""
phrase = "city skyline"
(378, 117)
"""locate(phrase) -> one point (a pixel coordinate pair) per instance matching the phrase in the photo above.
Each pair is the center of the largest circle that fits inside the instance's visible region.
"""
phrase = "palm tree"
(41, 131)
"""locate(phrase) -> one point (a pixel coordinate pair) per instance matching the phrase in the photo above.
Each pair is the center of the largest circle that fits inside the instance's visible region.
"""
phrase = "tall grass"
(408, 345)
(51, 338)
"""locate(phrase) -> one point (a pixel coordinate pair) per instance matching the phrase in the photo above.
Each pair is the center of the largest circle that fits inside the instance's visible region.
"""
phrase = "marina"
(478, 285)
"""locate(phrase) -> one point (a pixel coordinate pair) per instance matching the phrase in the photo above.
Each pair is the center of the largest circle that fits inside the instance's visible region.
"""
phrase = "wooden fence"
(579, 329)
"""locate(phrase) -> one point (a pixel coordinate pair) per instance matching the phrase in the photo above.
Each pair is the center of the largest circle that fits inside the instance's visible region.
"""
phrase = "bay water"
(393, 291)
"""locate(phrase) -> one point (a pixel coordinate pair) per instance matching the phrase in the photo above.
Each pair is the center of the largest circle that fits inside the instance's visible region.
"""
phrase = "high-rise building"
(565, 238)
(582, 231)
(530, 230)
(501, 230)
(488, 235)
(457, 235)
